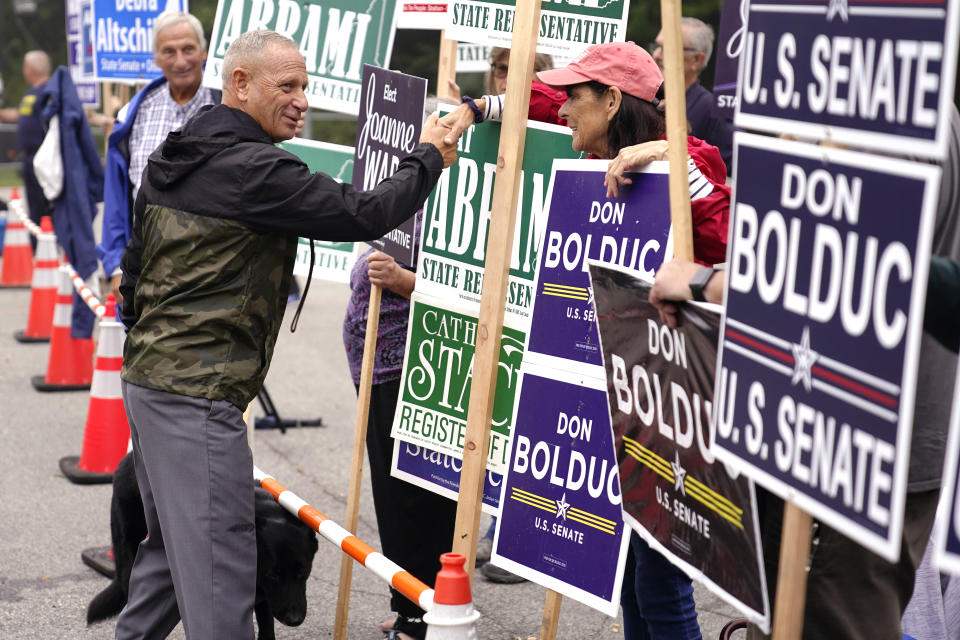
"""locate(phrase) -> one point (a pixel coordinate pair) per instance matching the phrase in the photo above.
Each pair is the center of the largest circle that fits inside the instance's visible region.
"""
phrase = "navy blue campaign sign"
(727, 61)
(561, 524)
(123, 42)
(388, 129)
(827, 270)
(660, 394)
(878, 74)
(582, 224)
(440, 473)
(947, 534)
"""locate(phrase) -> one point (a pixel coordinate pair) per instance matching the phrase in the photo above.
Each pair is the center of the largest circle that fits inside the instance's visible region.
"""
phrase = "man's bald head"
(247, 51)
(36, 67)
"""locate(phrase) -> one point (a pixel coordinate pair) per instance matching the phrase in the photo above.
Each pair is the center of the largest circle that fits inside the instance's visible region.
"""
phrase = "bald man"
(30, 132)
(205, 282)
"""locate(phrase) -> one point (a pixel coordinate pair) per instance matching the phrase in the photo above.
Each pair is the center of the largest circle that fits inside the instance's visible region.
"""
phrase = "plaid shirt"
(158, 115)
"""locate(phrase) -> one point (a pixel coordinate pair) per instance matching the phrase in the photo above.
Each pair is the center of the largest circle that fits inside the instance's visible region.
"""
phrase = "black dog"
(285, 550)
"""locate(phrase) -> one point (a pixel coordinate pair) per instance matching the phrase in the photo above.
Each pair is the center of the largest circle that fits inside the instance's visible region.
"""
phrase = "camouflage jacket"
(208, 266)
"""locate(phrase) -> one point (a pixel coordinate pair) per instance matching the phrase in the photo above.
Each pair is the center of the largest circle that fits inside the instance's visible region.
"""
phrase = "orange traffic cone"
(43, 291)
(452, 616)
(70, 367)
(106, 433)
(17, 254)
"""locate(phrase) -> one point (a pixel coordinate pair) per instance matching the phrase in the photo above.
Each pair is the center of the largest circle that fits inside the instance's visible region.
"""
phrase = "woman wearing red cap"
(613, 106)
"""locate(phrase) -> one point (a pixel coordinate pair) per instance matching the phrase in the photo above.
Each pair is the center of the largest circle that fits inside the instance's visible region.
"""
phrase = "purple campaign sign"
(878, 74)
(561, 523)
(947, 545)
(439, 473)
(827, 266)
(388, 128)
(727, 58)
(631, 231)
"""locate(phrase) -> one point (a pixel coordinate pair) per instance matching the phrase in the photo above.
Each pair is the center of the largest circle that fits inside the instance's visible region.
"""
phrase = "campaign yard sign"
(560, 522)
(336, 38)
(947, 533)
(457, 216)
(440, 473)
(632, 231)
(332, 260)
(388, 129)
(827, 268)
(567, 27)
(659, 385)
(877, 74)
(79, 56)
(422, 15)
(123, 31)
(436, 380)
(727, 58)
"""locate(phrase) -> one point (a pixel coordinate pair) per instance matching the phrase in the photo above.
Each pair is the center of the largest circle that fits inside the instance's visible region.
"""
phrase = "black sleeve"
(942, 316)
(280, 194)
(130, 264)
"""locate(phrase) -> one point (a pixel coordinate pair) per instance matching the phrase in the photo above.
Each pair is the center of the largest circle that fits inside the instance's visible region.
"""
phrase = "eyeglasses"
(498, 70)
(653, 46)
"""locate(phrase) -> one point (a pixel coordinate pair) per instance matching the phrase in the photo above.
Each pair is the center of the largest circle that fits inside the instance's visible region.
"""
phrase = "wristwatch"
(699, 282)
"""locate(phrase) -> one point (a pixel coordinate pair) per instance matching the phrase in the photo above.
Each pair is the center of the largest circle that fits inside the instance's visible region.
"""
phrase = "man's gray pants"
(195, 473)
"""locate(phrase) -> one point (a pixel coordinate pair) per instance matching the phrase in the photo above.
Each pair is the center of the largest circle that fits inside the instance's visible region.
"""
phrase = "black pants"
(852, 593)
(415, 525)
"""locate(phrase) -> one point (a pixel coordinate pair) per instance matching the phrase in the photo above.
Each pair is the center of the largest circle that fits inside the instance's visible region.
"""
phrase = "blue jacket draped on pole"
(75, 209)
(116, 191)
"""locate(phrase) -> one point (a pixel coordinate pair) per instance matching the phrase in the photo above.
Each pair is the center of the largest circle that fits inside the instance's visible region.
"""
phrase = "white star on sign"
(837, 7)
(803, 360)
(562, 506)
(679, 473)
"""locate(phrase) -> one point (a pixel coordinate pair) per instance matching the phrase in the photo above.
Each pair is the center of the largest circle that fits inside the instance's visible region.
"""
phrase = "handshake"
(444, 133)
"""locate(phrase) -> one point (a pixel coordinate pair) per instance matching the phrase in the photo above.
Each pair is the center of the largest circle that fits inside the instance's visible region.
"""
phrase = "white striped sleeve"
(700, 187)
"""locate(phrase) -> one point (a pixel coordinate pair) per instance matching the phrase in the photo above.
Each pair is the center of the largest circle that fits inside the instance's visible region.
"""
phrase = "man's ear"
(240, 82)
(614, 99)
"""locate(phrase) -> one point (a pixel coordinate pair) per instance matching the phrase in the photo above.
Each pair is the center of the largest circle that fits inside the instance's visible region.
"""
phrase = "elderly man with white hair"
(164, 105)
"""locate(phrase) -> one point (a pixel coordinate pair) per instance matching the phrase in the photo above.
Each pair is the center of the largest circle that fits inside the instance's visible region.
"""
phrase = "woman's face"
(498, 73)
(589, 118)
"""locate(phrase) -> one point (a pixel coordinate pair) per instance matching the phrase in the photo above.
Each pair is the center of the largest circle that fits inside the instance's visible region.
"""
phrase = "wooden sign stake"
(670, 11)
(551, 615)
(495, 279)
(447, 69)
(356, 463)
(792, 574)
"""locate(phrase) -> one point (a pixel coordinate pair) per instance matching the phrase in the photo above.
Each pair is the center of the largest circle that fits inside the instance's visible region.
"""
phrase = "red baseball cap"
(624, 65)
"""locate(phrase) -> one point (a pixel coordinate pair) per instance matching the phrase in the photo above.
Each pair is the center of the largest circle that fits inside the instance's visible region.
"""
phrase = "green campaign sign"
(336, 38)
(332, 260)
(437, 376)
(457, 216)
(567, 27)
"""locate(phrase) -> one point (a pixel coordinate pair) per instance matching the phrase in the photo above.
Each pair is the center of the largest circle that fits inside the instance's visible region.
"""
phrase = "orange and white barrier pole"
(403, 581)
(85, 293)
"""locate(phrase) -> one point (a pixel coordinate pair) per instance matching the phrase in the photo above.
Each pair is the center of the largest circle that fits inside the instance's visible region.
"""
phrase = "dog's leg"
(261, 610)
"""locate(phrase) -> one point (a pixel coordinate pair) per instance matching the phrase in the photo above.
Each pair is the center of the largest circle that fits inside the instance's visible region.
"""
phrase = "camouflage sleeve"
(130, 264)
(280, 194)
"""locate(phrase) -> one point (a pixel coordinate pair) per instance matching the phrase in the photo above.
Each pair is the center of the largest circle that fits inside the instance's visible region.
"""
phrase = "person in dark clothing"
(705, 121)
(30, 129)
(205, 280)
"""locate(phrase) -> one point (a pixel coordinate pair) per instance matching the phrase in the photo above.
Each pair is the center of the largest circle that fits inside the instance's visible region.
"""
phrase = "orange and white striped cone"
(43, 291)
(106, 433)
(17, 253)
(70, 366)
(452, 616)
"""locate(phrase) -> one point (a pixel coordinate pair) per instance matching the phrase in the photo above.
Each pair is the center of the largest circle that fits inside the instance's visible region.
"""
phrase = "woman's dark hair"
(637, 120)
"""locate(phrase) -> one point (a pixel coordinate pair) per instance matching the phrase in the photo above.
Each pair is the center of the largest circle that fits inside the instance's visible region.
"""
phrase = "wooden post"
(495, 271)
(551, 615)
(356, 464)
(447, 69)
(674, 86)
(792, 575)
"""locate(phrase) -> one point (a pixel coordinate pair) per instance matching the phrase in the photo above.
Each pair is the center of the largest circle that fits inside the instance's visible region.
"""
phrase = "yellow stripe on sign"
(535, 500)
(589, 524)
(564, 295)
(705, 501)
(563, 286)
(718, 497)
(586, 514)
(532, 503)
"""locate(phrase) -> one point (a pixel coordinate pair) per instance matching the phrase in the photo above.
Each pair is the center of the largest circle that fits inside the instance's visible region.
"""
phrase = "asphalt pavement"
(46, 521)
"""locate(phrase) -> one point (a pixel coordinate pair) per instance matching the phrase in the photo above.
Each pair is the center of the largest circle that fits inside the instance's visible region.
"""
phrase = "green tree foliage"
(20, 33)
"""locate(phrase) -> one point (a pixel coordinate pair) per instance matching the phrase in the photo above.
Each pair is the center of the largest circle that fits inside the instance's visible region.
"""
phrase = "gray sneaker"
(494, 573)
(484, 549)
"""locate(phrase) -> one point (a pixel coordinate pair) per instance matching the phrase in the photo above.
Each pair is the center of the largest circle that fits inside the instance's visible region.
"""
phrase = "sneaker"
(494, 573)
(484, 549)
